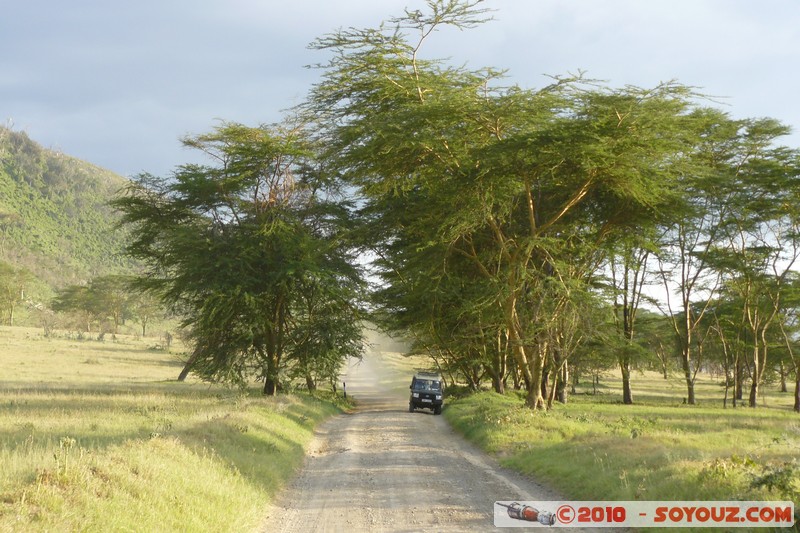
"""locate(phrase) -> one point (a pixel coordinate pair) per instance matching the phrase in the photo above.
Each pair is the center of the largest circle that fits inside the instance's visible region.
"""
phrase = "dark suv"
(427, 391)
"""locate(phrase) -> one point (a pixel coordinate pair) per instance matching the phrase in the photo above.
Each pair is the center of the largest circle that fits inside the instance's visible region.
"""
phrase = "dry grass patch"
(97, 436)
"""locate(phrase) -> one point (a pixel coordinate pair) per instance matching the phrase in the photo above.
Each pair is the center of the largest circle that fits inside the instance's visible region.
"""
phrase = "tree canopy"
(253, 251)
(490, 205)
(516, 231)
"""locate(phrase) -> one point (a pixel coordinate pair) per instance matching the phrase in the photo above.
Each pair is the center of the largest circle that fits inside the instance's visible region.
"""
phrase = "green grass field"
(596, 448)
(97, 436)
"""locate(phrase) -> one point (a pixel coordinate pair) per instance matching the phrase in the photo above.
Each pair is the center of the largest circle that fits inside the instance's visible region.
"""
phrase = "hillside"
(54, 217)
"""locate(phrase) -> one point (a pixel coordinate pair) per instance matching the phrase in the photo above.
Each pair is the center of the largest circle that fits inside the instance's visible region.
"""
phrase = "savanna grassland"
(97, 436)
(596, 448)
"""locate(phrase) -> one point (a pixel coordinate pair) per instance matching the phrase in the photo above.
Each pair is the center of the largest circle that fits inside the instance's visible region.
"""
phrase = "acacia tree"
(654, 334)
(762, 237)
(628, 264)
(110, 298)
(103, 299)
(693, 233)
(13, 283)
(325, 325)
(450, 314)
(789, 324)
(77, 299)
(736, 185)
(524, 185)
(233, 247)
(144, 307)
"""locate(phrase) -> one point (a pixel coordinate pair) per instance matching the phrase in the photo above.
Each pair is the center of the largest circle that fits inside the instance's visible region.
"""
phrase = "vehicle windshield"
(427, 384)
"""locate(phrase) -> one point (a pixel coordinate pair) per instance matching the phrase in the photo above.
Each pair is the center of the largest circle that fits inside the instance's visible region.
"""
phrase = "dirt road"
(385, 469)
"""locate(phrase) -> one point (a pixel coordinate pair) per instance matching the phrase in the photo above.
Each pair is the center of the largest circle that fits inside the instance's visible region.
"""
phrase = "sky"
(118, 84)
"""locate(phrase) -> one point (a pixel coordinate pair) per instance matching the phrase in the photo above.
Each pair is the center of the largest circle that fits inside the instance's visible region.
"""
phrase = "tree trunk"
(738, 393)
(543, 386)
(627, 393)
(727, 389)
(188, 366)
(498, 384)
(271, 377)
(797, 391)
(535, 400)
(686, 352)
(687, 373)
(551, 396)
(783, 378)
(753, 399)
(500, 366)
(526, 367)
(561, 388)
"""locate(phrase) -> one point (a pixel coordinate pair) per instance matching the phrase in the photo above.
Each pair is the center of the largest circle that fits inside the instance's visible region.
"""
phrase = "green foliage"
(782, 479)
(489, 205)
(105, 298)
(325, 333)
(500, 214)
(15, 284)
(253, 252)
(76, 299)
(508, 224)
(54, 215)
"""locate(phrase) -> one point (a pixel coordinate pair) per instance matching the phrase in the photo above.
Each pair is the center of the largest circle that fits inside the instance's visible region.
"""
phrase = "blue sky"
(118, 83)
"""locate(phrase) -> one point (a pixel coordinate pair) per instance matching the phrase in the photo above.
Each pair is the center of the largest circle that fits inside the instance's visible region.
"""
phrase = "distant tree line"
(106, 303)
(100, 306)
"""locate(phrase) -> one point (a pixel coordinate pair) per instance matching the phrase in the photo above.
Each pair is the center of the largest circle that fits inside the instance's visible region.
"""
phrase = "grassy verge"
(595, 448)
(93, 438)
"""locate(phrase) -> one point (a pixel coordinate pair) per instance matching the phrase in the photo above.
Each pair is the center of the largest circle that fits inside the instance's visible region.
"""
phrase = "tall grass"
(93, 437)
(595, 448)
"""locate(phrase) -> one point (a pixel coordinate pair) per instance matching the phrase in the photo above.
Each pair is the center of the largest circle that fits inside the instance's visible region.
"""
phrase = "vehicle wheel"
(437, 410)
(410, 407)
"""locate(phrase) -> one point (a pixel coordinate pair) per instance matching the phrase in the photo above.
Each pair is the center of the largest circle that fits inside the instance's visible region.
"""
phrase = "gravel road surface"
(382, 468)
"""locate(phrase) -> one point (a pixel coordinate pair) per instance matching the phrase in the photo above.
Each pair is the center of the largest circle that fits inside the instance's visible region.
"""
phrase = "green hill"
(54, 216)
